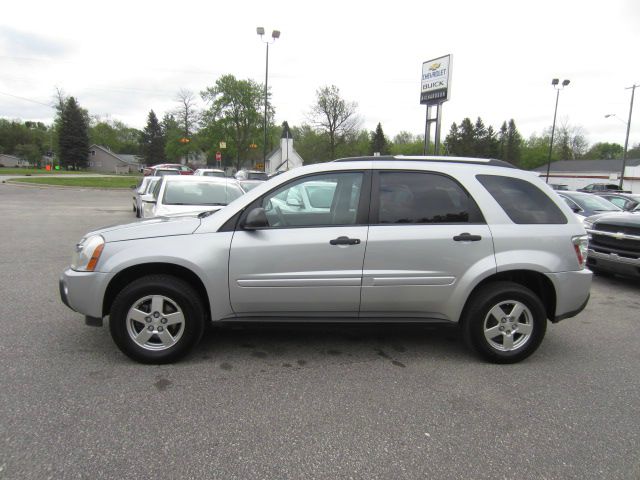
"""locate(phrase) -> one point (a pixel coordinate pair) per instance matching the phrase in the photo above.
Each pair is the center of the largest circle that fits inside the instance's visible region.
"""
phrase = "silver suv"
(377, 239)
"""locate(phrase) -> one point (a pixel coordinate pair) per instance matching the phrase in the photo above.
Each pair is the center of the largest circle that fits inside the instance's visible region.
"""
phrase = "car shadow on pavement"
(295, 344)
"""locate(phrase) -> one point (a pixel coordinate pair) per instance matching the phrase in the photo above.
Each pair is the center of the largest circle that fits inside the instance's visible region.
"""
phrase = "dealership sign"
(436, 78)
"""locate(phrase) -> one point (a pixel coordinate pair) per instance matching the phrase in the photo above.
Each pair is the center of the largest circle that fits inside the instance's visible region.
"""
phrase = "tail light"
(580, 245)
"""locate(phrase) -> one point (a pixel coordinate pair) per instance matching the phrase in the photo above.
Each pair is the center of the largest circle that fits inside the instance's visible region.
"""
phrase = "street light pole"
(274, 35)
(626, 140)
(554, 82)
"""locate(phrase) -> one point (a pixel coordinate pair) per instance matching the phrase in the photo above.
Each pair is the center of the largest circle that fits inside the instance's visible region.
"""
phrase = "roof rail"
(415, 158)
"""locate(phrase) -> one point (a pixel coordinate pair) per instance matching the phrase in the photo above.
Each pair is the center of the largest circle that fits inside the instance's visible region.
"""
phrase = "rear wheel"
(504, 322)
(157, 319)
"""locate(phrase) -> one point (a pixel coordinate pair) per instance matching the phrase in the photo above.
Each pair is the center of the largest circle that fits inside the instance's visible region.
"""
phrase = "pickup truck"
(614, 243)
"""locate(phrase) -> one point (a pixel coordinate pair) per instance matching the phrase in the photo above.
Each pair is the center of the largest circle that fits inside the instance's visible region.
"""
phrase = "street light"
(554, 82)
(626, 140)
(274, 35)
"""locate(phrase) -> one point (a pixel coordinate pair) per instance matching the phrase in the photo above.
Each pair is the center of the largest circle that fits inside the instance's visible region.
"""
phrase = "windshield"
(213, 174)
(200, 193)
(592, 202)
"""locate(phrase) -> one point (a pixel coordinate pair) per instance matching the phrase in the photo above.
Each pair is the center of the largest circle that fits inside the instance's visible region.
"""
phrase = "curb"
(63, 187)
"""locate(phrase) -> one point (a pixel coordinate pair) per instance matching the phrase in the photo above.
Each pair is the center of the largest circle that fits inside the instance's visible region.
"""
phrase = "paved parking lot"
(296, 401)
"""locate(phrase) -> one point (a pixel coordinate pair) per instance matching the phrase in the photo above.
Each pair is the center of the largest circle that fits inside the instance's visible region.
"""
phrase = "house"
(579, 173)
(285, 156)
(12, 161)
(103, 160)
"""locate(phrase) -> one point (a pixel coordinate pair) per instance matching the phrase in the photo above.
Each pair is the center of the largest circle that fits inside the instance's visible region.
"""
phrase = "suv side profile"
(391, 239)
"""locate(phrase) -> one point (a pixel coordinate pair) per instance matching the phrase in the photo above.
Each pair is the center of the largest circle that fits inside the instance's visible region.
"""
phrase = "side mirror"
(148, 197)
(576, 209)
(256, 219)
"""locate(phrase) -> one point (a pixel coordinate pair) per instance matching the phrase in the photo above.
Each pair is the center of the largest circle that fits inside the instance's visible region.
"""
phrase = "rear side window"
(421, 197)
(522, 201)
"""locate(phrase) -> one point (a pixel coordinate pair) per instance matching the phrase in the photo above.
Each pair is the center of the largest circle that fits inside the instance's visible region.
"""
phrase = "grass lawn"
(37, 171)
(95, 182)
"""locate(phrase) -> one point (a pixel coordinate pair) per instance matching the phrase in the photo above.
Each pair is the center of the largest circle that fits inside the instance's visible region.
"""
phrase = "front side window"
(423, 198)
(317, 200)
(522, 201)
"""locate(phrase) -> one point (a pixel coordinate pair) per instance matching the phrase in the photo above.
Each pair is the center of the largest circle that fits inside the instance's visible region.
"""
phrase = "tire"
(157, 319)
(518, 331)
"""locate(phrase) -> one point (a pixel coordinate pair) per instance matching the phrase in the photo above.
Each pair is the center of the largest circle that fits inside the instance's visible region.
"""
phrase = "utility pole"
(626, 140)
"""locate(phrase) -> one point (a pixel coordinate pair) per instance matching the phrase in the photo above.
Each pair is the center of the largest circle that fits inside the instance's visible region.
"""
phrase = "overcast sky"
(121, 59)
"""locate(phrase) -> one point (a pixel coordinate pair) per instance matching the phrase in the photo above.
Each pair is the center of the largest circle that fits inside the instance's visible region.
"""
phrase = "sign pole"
(438, 122)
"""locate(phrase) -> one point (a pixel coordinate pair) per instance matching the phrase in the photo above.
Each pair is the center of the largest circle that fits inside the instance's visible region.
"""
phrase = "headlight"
(87, 253)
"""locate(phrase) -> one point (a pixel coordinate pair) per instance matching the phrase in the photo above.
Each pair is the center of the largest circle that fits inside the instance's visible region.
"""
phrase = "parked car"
(141, 190)
(188, 194)
(182, 169)
(209, 172)
(559, 186)
(585, 204)
(626, 201)
(614, 243)
(251, 175)
(424, 239)
(161, 172)
(148, 199)
(601, 187)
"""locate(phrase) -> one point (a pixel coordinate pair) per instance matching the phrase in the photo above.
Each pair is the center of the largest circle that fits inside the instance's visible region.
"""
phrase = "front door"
(309, 259)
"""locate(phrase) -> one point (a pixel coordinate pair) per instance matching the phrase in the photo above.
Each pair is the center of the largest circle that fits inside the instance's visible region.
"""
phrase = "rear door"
(426, 233)
(309, 259)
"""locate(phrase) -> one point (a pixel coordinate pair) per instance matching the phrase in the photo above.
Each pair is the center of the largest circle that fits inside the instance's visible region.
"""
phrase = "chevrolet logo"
(435, 66)
(619, 235)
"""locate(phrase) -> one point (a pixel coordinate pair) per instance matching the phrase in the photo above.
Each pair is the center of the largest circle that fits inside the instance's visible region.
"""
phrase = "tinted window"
(415, 197)
(522, 201)
(326, 199)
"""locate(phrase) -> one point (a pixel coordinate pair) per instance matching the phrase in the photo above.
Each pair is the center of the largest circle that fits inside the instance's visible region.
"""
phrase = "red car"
(183, 169)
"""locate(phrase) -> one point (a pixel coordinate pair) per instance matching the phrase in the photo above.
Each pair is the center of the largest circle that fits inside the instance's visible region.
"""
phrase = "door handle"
(467, 237)
(345, 241)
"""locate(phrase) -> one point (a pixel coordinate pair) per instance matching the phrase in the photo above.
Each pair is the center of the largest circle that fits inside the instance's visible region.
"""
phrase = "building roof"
(11, 157)
(588, 166)
(125, 158)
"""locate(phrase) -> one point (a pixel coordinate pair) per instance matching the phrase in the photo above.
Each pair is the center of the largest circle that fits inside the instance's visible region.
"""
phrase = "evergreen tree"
(513, 147)
(152, 141)
(73, 136)
(379, 142)
(502, 141)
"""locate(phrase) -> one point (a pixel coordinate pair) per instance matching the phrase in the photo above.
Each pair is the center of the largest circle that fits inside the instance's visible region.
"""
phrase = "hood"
(153, 227)
(619, 219)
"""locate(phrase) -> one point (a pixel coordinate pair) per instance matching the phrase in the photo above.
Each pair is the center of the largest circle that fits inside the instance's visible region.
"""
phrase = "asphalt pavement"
(293, 402)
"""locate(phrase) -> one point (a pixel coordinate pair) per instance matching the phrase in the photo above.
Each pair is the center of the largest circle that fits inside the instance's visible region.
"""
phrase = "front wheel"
(157, 319)
(504, 322)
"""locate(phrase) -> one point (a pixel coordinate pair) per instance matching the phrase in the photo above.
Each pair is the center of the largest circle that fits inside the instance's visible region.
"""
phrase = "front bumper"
(611, 262)
(83, 292)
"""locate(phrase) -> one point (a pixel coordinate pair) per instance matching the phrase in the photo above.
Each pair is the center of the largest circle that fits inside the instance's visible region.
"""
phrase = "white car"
(148, 198)
(142, 189)
(183, 194)
(209, 172)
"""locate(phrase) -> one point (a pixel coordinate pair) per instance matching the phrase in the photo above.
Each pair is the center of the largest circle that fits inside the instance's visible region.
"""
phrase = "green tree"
(235, 113)
(379, 142)
(535, 152)
(114, 135)
(313, 146)
(634, 152)
(73, 135)
(30, 153)
(334, 116)
(513, 145)
(406, 143)
(604, 151)
(152, 141)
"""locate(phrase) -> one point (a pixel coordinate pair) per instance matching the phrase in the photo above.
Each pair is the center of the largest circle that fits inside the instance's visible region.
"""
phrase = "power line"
(27, 99)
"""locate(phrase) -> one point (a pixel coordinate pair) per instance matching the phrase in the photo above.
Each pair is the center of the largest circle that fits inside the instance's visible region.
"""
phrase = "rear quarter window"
(522, 201)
